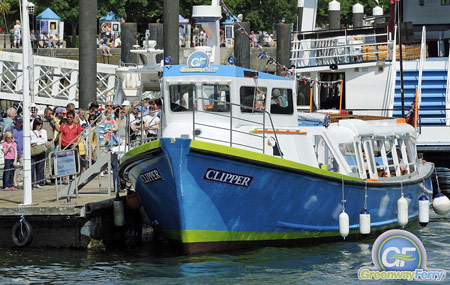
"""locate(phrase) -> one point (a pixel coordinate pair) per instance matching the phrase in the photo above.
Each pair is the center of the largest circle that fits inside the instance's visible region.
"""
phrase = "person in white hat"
(126, 105)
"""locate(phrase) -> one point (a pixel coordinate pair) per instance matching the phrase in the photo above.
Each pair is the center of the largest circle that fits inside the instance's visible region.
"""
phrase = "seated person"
(44, 40)
(278, 99)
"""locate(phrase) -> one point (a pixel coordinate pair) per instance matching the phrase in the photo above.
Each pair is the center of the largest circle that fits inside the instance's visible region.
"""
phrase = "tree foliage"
(262, 14)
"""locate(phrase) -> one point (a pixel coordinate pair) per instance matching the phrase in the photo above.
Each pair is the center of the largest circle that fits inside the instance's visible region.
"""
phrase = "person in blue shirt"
(18, 135)
(8, 122)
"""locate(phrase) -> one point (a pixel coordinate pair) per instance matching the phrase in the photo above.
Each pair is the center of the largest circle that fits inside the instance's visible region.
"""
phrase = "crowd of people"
(107, 40)
(199, 37)
(87, 132)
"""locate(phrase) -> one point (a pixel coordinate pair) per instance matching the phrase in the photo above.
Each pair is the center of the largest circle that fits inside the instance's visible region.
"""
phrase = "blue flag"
(262, 55)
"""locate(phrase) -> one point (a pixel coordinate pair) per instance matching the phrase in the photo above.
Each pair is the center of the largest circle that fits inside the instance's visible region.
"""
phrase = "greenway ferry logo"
(399, 255)
(198, 62)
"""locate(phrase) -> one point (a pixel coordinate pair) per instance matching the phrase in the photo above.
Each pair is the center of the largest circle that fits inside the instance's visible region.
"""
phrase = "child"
(10, 153)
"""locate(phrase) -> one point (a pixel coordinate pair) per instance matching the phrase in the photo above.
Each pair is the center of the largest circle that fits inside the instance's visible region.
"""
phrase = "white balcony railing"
(340, 49)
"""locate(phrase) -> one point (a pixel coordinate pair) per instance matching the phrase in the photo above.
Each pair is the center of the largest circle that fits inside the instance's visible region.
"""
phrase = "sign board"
(198, 62)
(44, 26)
(65, 163)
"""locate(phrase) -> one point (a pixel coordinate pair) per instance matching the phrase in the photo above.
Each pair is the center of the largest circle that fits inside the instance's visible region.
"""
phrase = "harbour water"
(336, 262)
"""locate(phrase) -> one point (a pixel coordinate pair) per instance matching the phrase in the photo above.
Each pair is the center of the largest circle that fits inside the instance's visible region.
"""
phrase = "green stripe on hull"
(231, 151)
(141, 149)
(191, 236)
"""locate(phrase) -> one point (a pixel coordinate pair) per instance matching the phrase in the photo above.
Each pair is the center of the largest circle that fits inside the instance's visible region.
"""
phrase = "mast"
(399, 21)
(26, 45)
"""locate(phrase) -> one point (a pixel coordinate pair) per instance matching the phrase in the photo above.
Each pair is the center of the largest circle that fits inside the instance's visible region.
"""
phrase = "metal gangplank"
(54, 80)
(100, 158)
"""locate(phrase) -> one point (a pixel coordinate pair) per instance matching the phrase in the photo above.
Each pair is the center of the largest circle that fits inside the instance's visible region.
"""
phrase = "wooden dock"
(83, 222)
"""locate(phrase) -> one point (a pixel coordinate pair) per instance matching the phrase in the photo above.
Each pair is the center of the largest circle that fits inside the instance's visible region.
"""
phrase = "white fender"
(424, 210)
(344, 224)
(402, 211)
(441, 204)
(364, 222)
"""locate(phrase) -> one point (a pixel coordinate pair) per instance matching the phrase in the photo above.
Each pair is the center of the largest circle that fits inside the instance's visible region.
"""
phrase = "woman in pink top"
(10, 154)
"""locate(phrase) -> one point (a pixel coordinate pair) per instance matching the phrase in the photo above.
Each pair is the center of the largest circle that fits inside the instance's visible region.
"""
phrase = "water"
(337, 263)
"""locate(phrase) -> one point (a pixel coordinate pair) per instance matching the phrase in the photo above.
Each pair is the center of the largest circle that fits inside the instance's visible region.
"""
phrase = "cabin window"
(369, 159)
(253, 98)
(217, 98)
(406, 157)
(281, 102)
(349, 153)
(182, 97)
(325, 157)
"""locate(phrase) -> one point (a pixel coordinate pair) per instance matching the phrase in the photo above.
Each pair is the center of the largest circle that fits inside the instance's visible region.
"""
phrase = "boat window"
(377, 150)
(253, 97)
(324, 156)
(406, 158)
(349, 153)
(281, 102)
(369, 159)
(218, 96)
(303, 94)
(182, 97)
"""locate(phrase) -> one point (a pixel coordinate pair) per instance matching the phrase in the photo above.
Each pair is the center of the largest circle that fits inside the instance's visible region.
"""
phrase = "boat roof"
(378, 128)
(220, 70)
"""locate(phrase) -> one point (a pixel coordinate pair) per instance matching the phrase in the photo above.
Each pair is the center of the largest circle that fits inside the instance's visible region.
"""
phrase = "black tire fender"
(22, 233)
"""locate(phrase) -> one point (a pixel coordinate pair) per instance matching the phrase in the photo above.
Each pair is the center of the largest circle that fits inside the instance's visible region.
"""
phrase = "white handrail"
(423, 54)
(340, 49)
(447, 92)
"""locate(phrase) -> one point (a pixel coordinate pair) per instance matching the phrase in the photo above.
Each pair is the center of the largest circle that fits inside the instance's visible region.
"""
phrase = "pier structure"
(56, 81)
(85, 222)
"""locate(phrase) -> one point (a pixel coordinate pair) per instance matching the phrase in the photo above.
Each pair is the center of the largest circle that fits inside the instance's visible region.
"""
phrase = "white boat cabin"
(255, 111)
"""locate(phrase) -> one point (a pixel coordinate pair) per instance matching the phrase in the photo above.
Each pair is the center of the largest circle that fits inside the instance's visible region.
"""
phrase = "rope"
(22, 218)
(437, 180)
(365, 196)
(343, 197)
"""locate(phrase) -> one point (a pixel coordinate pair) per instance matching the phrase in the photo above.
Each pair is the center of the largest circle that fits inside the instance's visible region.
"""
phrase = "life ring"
(22, 235)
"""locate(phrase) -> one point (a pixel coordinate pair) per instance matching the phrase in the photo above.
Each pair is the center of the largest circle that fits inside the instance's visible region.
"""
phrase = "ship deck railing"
(266, 125)
(323, 48)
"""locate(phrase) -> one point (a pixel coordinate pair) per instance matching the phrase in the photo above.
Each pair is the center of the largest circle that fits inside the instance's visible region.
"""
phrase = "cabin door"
(329, 94)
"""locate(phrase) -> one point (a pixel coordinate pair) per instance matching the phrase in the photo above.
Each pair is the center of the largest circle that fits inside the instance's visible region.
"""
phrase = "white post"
(27, 196)
(423, 55)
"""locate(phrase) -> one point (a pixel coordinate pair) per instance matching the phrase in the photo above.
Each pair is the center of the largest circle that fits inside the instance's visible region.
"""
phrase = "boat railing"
(262, 135)
(310, 52)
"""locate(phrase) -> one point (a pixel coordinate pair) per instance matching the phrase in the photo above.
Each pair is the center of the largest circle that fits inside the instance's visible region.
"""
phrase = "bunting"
(272, 61)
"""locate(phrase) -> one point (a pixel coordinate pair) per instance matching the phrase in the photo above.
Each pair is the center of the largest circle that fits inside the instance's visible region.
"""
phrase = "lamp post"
(31, 12)
(26, 55)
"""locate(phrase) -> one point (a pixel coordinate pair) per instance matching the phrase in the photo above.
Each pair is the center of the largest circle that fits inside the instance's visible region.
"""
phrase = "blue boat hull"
(208, 199)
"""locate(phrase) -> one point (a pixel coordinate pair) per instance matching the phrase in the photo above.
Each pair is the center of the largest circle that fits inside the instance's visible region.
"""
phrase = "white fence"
(55, 80)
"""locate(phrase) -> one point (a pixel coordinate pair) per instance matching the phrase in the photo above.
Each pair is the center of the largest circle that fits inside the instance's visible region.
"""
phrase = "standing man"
(34, 113)
(60, 112)
(8, 122)
(18, 137)
(49, 125)
(17, 34)
(135, 122)
(71, 107)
